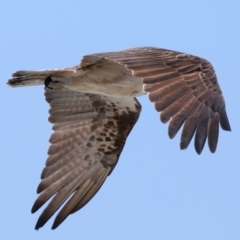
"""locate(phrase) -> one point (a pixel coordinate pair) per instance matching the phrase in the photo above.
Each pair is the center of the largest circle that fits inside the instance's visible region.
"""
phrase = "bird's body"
(93, 109)
(107, 78)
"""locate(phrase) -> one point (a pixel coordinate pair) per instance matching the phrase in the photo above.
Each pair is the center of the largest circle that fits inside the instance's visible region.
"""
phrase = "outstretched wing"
(184, 88)
(89, 134)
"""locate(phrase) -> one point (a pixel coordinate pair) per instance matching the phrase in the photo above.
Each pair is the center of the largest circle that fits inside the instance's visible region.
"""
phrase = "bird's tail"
(33, 78)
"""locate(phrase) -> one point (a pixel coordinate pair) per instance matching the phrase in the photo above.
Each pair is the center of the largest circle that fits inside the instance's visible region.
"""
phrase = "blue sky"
(156, 191)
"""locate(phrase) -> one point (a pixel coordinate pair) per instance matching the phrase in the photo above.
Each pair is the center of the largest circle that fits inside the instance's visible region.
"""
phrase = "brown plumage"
(93, 109)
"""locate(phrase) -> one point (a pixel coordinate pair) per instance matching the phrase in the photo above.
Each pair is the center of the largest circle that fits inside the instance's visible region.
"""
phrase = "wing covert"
(89, 134)
(184, 88)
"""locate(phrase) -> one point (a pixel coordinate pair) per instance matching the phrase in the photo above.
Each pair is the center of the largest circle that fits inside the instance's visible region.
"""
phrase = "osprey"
(93, 108)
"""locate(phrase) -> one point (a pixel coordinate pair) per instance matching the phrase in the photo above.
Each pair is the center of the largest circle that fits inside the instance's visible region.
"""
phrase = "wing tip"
(35, 207)
(198, 150)
(54, 226)
(224, 122)
(38, 225)
(184, 145)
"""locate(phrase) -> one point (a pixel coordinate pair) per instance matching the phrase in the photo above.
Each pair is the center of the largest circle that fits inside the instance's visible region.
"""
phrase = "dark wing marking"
(89, 134)
(184, 88)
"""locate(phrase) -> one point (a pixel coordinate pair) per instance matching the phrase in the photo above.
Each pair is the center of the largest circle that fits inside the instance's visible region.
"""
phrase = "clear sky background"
(156, 191)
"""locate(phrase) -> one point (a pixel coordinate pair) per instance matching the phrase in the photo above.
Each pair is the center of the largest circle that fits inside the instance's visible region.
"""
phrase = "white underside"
(110, 80)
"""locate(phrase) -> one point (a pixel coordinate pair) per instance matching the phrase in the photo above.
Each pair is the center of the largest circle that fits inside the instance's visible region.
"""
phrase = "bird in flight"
(93, 108)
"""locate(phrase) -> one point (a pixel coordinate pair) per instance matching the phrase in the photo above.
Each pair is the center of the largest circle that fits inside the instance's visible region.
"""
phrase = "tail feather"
(33, 78)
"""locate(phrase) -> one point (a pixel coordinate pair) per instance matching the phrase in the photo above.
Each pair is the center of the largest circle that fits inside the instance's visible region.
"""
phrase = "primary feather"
(93, 109)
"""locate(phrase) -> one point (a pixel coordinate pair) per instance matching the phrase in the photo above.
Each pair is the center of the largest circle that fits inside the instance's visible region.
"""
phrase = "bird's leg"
(55, 83)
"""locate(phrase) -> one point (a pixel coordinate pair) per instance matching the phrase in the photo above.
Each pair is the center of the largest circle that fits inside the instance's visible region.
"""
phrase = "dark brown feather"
(190, 125)
(166, 101)
(202, 130)
(90, 129)
(175, 107)
(156, 66)
(80, 198)
(72, 202)
(90, 132)
(213, 131)
(179, 118)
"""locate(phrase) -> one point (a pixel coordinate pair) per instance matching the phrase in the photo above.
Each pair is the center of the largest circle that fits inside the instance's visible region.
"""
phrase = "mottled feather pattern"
(85, 151)
(93, 109)
(186, 73)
